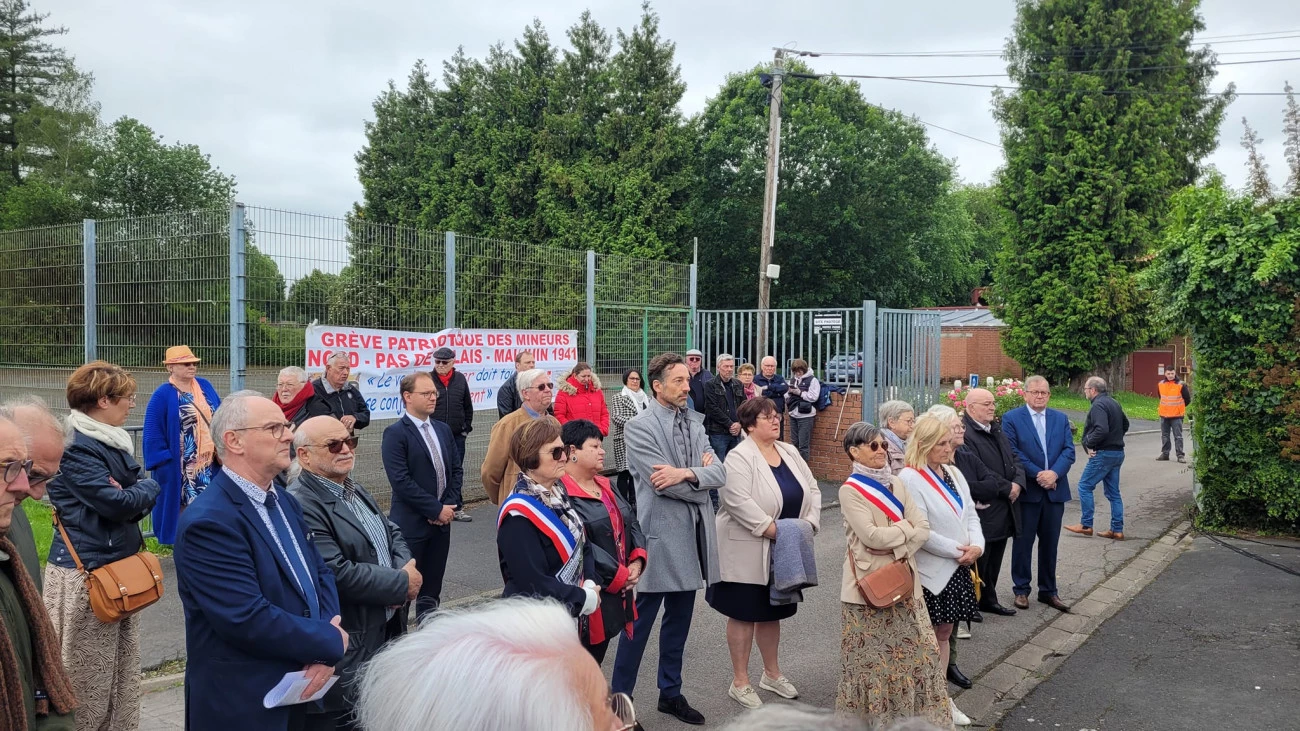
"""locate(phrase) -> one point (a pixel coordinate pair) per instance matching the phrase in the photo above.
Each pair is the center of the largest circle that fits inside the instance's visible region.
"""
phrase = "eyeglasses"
(621, 706)
(36, 479)
(426, 394)
(770, 416)
(1039, 393)
(692, 357)
(336, 445)
(276, 429)
(129, 399)
(441, 362)
(875, 446)
(542, 386)
(14, 468)
(560, 454)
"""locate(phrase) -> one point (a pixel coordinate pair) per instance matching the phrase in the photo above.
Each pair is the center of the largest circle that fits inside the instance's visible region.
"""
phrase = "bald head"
(980, 405)
(311, 445)
(44, 435)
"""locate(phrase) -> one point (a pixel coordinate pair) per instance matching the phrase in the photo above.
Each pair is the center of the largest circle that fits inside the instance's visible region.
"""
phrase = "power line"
(1130, 92)
(1053, 50)
(1081, 71)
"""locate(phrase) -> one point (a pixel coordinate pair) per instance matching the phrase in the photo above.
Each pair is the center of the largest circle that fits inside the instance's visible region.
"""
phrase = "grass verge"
(39, 515)
(1135, 405)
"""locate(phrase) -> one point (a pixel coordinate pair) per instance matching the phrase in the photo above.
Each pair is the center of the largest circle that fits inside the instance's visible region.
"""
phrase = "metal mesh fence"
(41, 305)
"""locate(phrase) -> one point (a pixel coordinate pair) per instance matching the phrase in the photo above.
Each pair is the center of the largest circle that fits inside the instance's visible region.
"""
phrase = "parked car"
(845, 368)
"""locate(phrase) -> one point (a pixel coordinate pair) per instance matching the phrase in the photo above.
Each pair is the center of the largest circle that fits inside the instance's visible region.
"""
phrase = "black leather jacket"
(346, 401)
(101, 519)
(616, 603)
(717, 417)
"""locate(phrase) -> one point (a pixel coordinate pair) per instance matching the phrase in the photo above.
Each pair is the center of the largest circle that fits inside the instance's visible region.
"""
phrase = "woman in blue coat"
(178, 446)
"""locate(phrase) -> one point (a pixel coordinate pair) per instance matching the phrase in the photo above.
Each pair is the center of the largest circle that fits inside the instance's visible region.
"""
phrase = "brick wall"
(967, 350)
(828, 460)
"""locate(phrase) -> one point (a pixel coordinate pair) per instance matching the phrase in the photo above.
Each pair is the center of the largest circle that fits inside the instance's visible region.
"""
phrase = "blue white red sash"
(543, 518)
(878, 495)
(950, 495)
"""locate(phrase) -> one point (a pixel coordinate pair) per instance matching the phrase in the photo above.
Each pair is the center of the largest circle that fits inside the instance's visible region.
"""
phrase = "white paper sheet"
(290, 688)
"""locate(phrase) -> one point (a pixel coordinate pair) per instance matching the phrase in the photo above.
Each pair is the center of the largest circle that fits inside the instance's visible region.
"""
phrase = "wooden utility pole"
(769, 202)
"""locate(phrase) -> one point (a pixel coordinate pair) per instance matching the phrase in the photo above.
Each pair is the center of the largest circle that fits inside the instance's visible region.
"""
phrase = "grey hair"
(337, 356)
(232, 414)
(441, 677)
(526, 379)
(893, 411)
(296, 372)
(942, 412)
(44, 417)
(295, 467)
(1096, 383)
(722, 357)
(1037, 379)
(859, 434)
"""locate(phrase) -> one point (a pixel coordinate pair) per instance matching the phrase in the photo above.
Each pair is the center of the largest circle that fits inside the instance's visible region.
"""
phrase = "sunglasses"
(693, 357)
(13, 469)
(875, 446)
(335, 446)
(276, 430)
(542, 387)
(560, 454)
(441, 362)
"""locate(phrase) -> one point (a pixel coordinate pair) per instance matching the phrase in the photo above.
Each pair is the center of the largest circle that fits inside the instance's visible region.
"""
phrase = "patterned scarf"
(557, 499)
(881, 475)
(47, 661)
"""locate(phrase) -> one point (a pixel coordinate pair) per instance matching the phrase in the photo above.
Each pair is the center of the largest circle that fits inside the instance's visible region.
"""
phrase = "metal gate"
(887, 354)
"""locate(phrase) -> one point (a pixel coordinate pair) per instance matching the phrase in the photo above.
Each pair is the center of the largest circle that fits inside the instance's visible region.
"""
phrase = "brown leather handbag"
(122, 588)
(887, 585)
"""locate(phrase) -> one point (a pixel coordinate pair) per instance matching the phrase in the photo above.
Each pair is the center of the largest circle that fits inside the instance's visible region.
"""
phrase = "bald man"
(43, 432)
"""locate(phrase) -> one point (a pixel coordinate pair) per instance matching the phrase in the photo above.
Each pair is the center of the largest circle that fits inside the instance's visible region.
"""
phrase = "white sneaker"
(963, 632)
(958, 718)
(780, 686)
(747, 696)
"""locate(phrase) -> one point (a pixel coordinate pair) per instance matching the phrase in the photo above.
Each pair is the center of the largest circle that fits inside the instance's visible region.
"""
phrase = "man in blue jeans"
(1103, 437)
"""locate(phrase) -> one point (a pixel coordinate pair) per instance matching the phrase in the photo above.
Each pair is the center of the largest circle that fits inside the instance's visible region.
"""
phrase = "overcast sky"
(277, 92)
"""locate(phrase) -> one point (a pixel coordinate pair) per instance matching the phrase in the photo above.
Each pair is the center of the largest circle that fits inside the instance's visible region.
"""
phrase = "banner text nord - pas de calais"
(379, 358)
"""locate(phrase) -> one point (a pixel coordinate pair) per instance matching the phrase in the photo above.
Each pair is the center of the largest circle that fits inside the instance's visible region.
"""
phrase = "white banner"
(380, 358)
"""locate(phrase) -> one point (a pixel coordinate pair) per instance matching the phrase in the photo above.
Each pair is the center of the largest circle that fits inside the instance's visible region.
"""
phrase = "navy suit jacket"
(413, 479)
(246, 621)
(1018, 426)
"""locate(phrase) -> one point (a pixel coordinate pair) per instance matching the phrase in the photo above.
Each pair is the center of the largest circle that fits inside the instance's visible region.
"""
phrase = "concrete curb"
(162, 682)
(1007, 682)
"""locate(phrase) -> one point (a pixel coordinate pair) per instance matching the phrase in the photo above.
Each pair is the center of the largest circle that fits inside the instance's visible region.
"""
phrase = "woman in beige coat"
(767, 481)
(891, 667)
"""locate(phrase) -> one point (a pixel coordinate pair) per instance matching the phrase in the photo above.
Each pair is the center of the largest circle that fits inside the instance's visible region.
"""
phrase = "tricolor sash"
(544, 519)
(949, 495)
(878, 495)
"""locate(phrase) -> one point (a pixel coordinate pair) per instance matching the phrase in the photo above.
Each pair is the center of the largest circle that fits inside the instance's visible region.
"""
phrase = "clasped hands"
(969, 554)
(318, 674)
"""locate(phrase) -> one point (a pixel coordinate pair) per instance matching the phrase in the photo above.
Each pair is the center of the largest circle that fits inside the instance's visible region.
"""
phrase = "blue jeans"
(722, 444)
(1102, 467)
(679, 609)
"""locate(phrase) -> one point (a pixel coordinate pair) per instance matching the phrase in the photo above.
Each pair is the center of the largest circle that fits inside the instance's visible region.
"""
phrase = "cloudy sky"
(277, 92)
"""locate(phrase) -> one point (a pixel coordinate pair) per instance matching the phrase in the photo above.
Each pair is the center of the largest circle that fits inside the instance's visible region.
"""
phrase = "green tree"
(138, 175)
(990, 228)
(310, 297)
(29, 66)
(1112, 114)
(857, 200)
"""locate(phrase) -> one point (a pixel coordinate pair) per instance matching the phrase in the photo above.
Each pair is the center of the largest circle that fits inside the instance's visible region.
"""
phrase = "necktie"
(1040, 425)
(289, 545)
(436, 455)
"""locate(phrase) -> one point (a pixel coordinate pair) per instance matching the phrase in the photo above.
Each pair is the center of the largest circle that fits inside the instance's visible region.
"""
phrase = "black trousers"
(990, 566)
(329, 721)
(430, 554)
(598, 650)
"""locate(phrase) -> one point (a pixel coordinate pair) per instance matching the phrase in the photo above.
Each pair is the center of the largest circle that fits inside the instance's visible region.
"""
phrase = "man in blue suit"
(1042, 441)
(259, 601)
(424, 470)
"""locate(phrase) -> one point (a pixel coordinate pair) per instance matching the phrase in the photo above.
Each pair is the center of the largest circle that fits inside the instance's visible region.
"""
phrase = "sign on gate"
(379, 358)
(828, 322)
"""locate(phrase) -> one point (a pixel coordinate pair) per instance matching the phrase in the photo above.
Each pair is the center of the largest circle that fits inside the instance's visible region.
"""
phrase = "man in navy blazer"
(259, 601)
(1044, 444)
(424, 470)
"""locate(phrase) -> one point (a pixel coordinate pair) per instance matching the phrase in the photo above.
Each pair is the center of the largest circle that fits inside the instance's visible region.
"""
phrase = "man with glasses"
(499, 471)
(1043, 442)
(699, 376)
(259, 600)
(424, 470)
(455, 406)
(372, 566)
(338, 397)
(43, 432)
(508, 398)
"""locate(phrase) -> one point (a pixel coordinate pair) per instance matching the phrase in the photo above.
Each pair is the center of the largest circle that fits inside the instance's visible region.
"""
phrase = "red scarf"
(446, 380)
(299, 400)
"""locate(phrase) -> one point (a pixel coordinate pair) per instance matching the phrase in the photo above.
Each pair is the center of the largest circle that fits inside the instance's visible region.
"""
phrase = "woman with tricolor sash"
(956, 540)
(890, 662)
(540, 540)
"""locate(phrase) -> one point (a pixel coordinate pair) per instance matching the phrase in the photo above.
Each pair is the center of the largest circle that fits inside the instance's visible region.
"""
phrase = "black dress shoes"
(978, 617)
(998, 609)
(681, 710)
(958, 678)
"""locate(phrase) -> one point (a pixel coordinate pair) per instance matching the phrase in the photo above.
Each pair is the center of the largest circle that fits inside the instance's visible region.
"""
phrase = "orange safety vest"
(1171, 399)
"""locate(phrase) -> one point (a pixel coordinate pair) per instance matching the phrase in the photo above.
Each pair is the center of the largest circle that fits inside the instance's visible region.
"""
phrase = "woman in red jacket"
(579, 397)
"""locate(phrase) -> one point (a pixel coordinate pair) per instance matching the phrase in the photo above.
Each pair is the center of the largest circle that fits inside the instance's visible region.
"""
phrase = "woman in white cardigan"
(940, 491)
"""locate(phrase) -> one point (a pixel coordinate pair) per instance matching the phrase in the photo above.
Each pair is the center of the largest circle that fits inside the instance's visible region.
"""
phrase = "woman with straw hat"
(178, 447)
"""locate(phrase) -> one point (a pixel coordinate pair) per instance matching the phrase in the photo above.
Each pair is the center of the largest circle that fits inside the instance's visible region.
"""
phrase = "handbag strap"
(68, 543)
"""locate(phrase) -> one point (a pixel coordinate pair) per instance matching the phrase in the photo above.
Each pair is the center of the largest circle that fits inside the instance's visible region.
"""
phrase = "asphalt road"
(1212, 643)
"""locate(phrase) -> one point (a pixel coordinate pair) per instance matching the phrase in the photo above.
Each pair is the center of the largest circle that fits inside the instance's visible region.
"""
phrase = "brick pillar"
(828, 460)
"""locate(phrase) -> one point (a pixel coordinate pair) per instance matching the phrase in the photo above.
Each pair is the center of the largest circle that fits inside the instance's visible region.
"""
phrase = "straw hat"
(178, 354)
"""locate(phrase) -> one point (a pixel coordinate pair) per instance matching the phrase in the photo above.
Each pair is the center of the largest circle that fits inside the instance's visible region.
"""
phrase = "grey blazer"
(365, 587)
(678, 522)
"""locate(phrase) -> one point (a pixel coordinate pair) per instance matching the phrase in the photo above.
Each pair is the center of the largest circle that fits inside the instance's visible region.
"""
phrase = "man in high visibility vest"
(1175, 397)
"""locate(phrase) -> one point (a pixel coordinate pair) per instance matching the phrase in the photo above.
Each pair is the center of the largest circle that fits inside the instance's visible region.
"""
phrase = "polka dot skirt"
(956, 603)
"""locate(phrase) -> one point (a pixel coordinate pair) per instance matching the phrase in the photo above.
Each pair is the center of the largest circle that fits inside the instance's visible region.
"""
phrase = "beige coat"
(499, 472)
(866, 527)
(749, 502)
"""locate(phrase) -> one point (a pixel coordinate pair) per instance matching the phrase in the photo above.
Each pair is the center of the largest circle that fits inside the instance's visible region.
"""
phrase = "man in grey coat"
(372, 565)
(673, 468)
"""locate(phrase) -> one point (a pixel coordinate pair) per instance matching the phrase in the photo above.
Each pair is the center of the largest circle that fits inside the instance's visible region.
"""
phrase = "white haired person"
(897, 419)
(449, 675)
(293, 394)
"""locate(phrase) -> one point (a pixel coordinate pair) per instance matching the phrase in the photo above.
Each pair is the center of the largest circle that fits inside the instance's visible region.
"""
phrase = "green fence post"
(645, 342)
